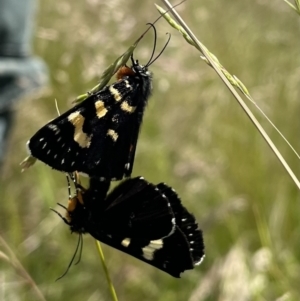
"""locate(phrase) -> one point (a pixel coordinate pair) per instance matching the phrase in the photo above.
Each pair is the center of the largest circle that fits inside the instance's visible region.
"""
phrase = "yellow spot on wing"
(113, 134)
(100, 108)
(126, 242)
(115, 93)
(80, 137)
(127, 108)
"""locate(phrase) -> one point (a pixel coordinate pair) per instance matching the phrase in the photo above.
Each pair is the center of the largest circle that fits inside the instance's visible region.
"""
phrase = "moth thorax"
(124, 71)
(72, 204)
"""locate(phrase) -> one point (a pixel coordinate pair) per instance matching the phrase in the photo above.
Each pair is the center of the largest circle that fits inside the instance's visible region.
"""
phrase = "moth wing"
(186, 223)
(122, 134)
(76, 140)
(170, 254)
(136, 208)
(135, 219)
(180, 250)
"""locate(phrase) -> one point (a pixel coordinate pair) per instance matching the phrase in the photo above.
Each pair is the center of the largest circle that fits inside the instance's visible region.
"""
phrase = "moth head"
(140, 69)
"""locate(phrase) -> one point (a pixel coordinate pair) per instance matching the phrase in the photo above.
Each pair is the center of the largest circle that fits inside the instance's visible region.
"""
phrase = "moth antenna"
(150, 63)
(62, 217)
(72, 260)
(154, 44)
(62, 206)
(80, 251)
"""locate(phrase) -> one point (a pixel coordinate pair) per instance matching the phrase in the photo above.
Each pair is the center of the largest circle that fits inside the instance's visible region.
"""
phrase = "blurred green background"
(194, 137)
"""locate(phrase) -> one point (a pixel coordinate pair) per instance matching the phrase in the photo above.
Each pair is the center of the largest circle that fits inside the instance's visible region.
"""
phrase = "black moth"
(98, 137)
(141, 219)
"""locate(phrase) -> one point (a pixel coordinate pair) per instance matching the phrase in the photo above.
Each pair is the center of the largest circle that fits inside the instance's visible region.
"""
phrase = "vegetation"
(195, 137)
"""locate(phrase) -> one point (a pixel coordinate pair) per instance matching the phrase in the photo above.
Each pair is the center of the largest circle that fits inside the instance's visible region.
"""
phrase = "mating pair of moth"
(98, 137)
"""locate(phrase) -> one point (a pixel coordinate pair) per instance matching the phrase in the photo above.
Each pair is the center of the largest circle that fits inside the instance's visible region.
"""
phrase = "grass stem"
(110, 284)
(212, 63)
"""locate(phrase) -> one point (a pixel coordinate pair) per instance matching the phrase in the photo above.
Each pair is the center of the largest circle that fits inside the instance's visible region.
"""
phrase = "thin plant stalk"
(110, 284)
(19, 267)
(233, 91)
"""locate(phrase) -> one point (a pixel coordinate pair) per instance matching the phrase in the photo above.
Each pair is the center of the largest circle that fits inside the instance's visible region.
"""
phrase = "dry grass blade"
(109, 72)
(295, 7)
(226, 78)
(232, 78)
(20, 269)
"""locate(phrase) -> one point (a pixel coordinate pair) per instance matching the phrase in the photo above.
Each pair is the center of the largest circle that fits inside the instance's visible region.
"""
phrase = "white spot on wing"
(173, 221)
(127, 85)
(149, 251)
(115, 118)
(54, 128)
(198, 262)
